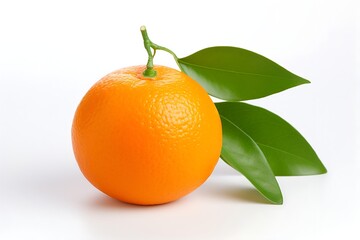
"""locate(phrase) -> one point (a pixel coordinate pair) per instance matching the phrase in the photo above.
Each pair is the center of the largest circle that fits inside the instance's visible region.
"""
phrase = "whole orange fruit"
(146, 140)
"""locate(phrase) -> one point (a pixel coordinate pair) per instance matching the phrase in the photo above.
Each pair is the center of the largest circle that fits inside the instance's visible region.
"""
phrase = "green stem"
(157, 47)
(149, 71)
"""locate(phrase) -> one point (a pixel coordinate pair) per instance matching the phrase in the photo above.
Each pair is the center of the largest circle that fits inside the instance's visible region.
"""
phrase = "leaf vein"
(283, 151)
(231, 71)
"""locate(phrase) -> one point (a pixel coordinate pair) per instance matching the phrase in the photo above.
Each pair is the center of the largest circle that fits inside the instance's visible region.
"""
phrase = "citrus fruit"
(146, 140)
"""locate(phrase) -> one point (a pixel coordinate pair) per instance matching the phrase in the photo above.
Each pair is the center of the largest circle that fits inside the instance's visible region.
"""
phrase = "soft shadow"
(243, 194)
(236, 192)
(106, 202)
(63, 187)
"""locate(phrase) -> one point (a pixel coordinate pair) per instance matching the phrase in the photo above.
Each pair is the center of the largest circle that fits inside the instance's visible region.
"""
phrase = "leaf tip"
(278, 200)
(302, 80)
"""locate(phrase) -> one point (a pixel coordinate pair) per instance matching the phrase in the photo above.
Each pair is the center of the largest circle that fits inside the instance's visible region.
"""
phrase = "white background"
(51, 52)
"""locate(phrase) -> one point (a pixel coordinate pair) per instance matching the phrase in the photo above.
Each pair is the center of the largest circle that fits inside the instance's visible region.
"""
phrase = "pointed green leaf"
(236, 74)
(242, 153)
(286, 150)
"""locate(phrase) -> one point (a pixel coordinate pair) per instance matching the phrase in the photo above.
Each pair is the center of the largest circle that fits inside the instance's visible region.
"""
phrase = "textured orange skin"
(146, 140)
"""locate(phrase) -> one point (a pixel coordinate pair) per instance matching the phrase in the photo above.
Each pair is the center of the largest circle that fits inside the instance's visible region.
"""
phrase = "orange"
(146, 140)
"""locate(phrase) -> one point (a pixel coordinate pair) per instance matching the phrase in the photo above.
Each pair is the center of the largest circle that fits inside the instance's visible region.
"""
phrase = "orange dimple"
(146, 140)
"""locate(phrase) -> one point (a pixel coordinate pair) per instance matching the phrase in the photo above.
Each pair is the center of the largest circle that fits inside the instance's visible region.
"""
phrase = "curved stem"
(150, 72)
(157, 47)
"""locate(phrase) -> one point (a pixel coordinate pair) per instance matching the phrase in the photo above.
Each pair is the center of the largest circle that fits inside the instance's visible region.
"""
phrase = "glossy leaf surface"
(243, 154)
(286, 150)
(235, 74)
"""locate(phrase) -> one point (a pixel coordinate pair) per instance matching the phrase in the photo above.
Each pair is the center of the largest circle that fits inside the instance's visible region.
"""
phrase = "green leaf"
(236, 74)
(286, 150)
(242, 153)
